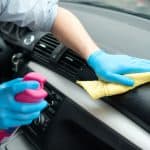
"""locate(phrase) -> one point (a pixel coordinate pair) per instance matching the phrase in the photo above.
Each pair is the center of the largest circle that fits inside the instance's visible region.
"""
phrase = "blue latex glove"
(13, 113)
(111, 68)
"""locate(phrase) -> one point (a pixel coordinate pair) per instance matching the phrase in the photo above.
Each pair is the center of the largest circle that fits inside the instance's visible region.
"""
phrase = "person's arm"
(68, 29)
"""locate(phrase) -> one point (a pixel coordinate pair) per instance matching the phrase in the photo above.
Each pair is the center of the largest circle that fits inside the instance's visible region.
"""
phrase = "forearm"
(68, 29)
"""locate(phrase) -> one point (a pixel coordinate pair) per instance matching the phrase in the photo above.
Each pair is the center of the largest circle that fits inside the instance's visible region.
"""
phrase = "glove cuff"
(91, 59)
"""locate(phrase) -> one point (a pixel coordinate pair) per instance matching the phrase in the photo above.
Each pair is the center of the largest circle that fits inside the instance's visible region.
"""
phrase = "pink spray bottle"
(28, 96)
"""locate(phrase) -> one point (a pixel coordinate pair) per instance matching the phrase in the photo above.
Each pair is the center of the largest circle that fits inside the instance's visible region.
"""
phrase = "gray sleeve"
(36, 14)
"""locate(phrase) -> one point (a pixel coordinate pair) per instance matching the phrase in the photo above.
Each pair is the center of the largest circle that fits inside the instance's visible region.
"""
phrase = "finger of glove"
(139, 60)
(28, 107)
(120, 79)
(146, 61)
(24, 85)
(9, 123)
(138, 68)
(10, 83)
(19, 116)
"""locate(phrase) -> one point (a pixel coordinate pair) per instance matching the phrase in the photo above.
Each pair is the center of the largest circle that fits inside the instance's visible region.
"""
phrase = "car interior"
(73, 120)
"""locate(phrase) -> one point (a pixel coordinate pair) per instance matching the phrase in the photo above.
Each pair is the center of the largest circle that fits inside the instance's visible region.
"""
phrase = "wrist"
(92, 57)
(88, 51)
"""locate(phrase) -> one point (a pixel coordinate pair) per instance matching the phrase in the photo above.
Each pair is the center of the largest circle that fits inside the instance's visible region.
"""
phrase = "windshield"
(134, 6)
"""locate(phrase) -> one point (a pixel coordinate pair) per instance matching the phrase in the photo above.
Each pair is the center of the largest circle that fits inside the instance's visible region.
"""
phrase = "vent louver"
(67, 63)
(44, 48)
(70, 63)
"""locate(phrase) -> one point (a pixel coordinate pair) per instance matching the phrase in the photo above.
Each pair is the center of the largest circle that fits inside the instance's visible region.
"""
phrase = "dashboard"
(73, 120)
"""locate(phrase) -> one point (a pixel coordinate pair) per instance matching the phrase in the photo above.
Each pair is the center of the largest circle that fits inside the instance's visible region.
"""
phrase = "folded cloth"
(98, 89)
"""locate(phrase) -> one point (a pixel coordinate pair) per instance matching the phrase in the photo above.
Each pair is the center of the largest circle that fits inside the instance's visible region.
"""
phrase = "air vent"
(70, 63)
(44, 48)
(54, 55)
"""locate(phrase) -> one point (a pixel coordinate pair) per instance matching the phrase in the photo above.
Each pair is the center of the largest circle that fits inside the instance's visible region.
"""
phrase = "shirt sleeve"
(35, 14)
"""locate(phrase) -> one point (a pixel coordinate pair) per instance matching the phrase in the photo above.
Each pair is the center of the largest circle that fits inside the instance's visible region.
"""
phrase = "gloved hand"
(111, 68)
(13, 113)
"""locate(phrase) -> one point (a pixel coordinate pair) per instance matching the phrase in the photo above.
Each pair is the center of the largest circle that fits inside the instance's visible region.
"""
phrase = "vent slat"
(40, 58)
(70, 63)
(69, 66)
(73, 61)
(45, 46)
(66, 70)
(43, 52)
(62, 70)
(49, 43)
(52, 39)
(75, 56)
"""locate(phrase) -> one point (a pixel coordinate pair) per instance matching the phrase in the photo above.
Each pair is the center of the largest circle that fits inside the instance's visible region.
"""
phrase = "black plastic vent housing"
(70, 63)
(51, 53)
(45, 47)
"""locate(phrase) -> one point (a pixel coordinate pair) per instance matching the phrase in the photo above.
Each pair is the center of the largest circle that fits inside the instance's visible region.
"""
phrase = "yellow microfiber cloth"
(98, 89)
